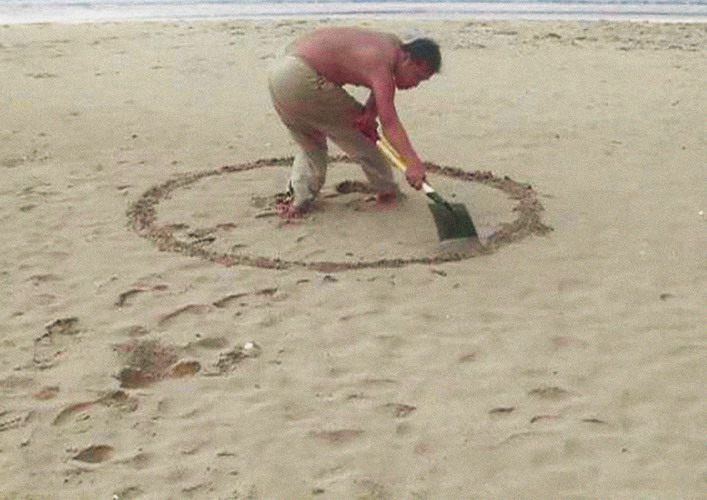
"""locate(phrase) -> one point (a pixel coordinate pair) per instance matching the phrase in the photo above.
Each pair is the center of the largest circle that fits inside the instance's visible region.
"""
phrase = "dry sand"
(564, 364)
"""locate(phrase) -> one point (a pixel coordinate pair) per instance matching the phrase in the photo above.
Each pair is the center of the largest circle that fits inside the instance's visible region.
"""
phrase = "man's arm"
(371, 104)
(366, 120)
(383, 92)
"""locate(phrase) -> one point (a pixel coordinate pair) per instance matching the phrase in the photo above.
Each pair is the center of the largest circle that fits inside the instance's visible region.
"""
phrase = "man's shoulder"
(346, 32)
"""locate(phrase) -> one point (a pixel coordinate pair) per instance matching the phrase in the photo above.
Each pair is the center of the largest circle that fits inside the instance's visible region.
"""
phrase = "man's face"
(409, 74)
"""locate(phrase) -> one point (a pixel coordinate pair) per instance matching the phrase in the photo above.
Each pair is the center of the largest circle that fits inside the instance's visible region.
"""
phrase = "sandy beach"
(163, 335)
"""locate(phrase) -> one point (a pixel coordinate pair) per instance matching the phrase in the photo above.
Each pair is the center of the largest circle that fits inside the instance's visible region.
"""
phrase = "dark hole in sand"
(149, 361)
(95, 454)
(341, 233)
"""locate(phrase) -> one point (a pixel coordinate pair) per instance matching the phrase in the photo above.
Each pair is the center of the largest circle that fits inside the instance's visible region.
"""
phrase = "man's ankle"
(386, 199)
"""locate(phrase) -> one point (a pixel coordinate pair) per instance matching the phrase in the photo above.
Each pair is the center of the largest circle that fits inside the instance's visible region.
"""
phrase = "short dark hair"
(425, 50)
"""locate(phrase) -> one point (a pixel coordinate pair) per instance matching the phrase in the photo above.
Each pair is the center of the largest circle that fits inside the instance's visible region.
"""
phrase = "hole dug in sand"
(148, 361)
(95, 454)
(345, 230)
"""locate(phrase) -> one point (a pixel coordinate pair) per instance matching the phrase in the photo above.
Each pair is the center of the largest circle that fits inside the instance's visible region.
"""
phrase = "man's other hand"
(415, 175)
(367, 124)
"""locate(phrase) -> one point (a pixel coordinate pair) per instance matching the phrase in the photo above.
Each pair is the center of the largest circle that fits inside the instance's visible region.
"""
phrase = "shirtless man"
(306, 89)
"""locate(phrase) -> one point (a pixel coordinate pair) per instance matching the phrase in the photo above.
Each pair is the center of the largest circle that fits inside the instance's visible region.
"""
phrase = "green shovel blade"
(452, 221)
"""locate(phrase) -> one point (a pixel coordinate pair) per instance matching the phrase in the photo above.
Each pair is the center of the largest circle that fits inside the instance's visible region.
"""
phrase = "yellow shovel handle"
(393, 157)
(391, 154)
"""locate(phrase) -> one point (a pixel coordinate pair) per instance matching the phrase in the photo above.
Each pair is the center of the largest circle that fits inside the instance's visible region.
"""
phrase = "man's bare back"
(348, 55)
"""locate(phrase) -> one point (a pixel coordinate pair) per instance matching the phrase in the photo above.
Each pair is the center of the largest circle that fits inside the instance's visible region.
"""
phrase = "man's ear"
(425, 68)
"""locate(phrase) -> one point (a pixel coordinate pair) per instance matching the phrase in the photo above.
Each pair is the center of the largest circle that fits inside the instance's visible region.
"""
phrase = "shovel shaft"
(393, 157)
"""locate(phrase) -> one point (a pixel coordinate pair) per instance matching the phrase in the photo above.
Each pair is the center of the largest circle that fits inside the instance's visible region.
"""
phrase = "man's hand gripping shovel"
(452, 219)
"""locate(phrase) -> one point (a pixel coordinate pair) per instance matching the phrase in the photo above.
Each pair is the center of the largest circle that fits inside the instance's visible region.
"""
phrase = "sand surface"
(561, 364)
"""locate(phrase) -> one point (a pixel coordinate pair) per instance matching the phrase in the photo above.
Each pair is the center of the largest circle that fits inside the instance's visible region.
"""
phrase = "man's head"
(418, 60)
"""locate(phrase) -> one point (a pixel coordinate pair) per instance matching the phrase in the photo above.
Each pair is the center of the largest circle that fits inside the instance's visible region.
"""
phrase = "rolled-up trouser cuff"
(308, 176)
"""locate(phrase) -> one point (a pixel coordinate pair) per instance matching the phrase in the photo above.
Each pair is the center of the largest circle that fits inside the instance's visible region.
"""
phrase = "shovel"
(452, 219)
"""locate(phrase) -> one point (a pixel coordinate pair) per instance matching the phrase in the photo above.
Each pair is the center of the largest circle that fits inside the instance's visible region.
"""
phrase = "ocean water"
(77, 11)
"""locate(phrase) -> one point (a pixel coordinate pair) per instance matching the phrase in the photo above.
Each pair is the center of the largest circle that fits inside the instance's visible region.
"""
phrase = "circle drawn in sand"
(142, 218)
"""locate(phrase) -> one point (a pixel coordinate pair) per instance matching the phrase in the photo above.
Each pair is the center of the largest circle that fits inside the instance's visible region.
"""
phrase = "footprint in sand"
(94, 454)
(49, 348)
(228, 361)
(16, 161)
(400, 410)
(551, 393)
(218, 304)
(338, 436)
(46, 393)
(63, 326)
(149, 361)
(119, 400)
(189, 308)
(41, 75)
(11, 419)
(123, 298)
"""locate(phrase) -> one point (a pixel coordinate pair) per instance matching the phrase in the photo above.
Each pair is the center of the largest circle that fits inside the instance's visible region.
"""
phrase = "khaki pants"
(314, 109)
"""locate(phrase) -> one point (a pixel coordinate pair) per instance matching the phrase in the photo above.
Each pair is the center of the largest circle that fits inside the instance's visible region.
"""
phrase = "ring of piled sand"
(345, 232)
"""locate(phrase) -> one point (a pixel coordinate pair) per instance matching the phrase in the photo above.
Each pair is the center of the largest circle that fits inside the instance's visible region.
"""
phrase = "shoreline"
(364, 19)
(482, 12)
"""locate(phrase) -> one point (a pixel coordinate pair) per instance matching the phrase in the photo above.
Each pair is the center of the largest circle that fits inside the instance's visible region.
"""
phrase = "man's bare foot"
(288, 211)
(386, 200)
